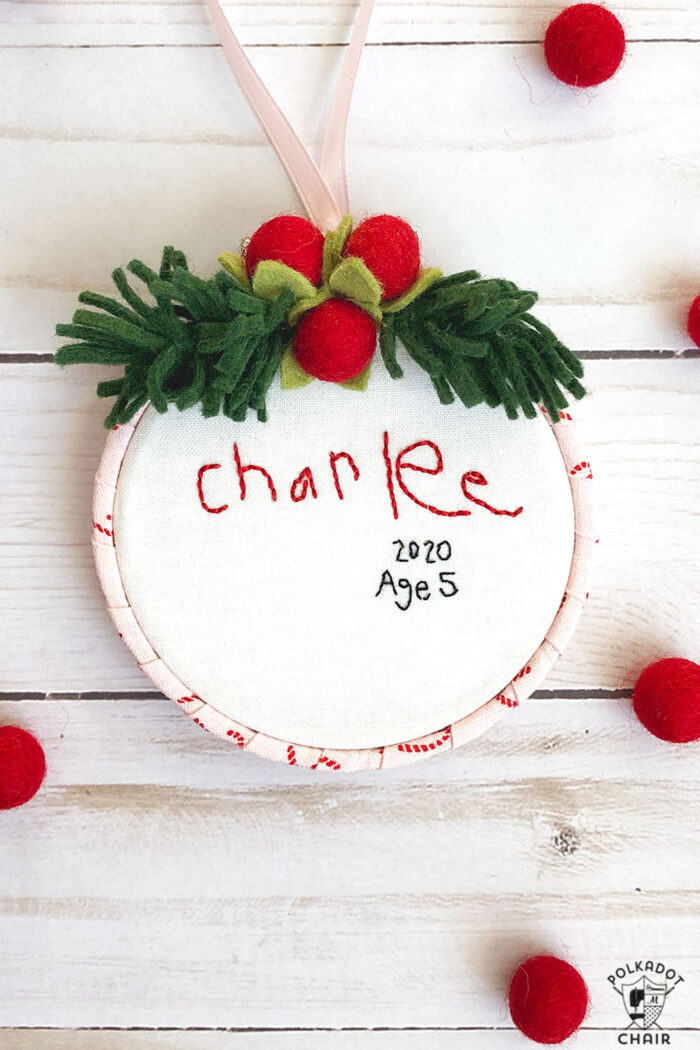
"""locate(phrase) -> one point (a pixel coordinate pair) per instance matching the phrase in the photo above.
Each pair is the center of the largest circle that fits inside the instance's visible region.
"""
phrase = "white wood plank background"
(183, 22)
(159, 882)
(589, 198)
(156, 881)
(428, 1039)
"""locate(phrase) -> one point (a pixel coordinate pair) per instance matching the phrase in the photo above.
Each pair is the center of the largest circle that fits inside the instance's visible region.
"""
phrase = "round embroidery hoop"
(219, 343)
(442, 738)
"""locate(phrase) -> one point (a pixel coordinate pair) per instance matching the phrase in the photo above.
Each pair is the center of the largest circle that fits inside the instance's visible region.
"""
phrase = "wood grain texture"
(498, 1039)
(642, 425)
(80, 23)
(590, 199)
(160, 878)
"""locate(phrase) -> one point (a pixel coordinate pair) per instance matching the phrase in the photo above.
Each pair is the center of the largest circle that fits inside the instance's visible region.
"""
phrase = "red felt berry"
(694, 321)
(584, 45)
(667, 699)
(291, 240)
(335, 341)
(22, 766)
(389, 248)
(548, 999)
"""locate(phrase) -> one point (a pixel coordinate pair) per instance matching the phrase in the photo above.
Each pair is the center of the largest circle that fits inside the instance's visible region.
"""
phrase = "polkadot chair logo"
(644, 986)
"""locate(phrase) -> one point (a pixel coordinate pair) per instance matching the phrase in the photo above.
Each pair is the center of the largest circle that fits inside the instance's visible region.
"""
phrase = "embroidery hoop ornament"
(323, 191)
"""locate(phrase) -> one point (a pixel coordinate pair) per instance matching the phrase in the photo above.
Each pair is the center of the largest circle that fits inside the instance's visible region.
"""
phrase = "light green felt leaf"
(303, 305)
(353, 281)
(374, 312)
(333, 246)
(234, 265)
(424, 280)
(359, 382)
(271, 278)
(292, 375)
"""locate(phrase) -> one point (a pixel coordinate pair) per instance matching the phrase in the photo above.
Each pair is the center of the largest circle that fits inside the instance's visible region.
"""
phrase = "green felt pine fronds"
(187, 341)
(478, 342)
(182, 340)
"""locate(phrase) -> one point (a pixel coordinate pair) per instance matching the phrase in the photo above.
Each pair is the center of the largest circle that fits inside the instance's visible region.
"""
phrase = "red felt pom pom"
(584, 45)
(548, 999)
(335, 341)
(389, 248)
(22, 766)
(694, 321)
(291, 240)
(667, 700)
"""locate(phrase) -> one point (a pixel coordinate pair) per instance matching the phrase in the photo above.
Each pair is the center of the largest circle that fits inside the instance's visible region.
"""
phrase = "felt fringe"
(209, 341)
(219, 344)
(478, 342)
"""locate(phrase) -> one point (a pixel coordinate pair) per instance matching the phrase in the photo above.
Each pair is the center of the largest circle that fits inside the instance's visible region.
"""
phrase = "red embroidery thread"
(242, 470)
(475, 477)
(306, 479)
(200, 489)
(437, 469)
(390, 475)
(304, 482)
(334, 457)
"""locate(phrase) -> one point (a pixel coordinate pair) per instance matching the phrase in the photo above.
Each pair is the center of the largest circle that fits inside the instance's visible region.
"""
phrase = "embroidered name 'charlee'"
(304, 486)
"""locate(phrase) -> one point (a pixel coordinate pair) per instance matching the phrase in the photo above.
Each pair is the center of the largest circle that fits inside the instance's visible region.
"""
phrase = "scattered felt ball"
(291, 240)
(584, 45)
(548, 999)
(667, 700)
(389, 248)
(22, 766)
(335, 341)
(694, 321)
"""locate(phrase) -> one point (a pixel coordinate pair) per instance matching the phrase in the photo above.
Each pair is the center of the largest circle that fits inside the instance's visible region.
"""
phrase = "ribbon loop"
(322, 190)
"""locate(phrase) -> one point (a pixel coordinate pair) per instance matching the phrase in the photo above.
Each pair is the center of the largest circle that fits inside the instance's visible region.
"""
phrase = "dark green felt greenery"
(217, 343)
(477, 341)
(212, 342)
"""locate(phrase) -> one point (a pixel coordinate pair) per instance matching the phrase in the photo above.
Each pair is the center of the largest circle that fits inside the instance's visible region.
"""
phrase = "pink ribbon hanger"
(323, 190)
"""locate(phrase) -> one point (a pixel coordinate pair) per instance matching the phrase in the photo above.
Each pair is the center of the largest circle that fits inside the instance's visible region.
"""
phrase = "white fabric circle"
(281, 614)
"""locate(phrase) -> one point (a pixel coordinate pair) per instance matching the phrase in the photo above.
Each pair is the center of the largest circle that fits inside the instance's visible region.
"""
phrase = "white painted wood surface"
(430, 1039)
(77, 22)
(589, 198)
(159, 881)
